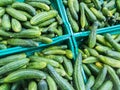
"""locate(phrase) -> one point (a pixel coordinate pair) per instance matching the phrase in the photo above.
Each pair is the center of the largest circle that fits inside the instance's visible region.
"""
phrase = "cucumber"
(90, 60)
(76, 5)
(39, 5)
(55, 57)
(72, 9)
(12, 58)
(97, 4)
(28, 33)
(100, 78)
(51, 83)
(13, 66)
(16, 26)
(42, 1)
(16, 14)
(59, 19)
(86, 69)
(23, 74)
(86, 52)
(42, 59)
(6, 2)
(5, 87)
(92, 36)
(6, 22)
(25, 7)
(22, 42)
(2, 11)
(94, 69)
(27, 25)
(36, 65)
(114, 77)
(77, 75)
(32, 85)
(61, 72)
(110, 61)
(90, 82)
(113, 54)
(5, 34)
(102, 49)
(42, 85)
(73, 23)
(115, 45)
(48, 22)
(93, 52)
(69, 54)
(118, 5)
(68, 66)
(106, 85)
(54, 52)
(61, 82)
(43, 16)
(43, 39)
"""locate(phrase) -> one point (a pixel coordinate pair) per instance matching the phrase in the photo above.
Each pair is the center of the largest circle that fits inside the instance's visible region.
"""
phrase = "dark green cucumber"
(100, 78)
(12, 58)
(115, 45)
(42, 85)
(106, 85)
(6, 22)
(32, 85)
(77, 75)
(28, 33)
(6, 2)
(43, 39)
(51, 83)
(16, 14)
(68, 66)
(61, 82)
(23, 74)
(16, 26)
(114, 77)
(39, 5)
(22, 42)
(25, 7)
(94, 69)
(43, 16)
(13, 66)
(90, 82)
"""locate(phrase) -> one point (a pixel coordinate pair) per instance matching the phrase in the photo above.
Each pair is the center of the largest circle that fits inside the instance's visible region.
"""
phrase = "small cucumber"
(100, 78)
(16, 26)
(51, 83)
(69, 54)
(43, 16)
(6, 2)
(102, 49)
(97, 4)
(42, 1)
(42, 85)
(32, 85)
(16, 14)
(93, 52)
(6, 22)
(22, 42)
(25, 7)
(2, 11)
(90, 60)
(94, 69)
(76, 5)
(59, 19)
(23, 74)
(61, 82)
(86, 69)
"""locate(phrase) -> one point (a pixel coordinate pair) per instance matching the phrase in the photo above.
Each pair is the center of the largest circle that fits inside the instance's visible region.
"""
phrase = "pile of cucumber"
(49, 69)
(82, 13)
(101, 62)
(27, 23)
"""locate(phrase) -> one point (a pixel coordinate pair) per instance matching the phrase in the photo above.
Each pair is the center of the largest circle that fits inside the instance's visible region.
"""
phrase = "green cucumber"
(100, 78)
(12, 58)
(16, 14)
(39, 5)
(51, 83)
(6, 22)
(102, 49)
(42, 1)
(5, 87)
(13, 66)
(43, 16)
(25, 7)
(86, 69)
(69, 54)
(77, 75)
(42, 85)
(61, 82)
(90, 60)
(22, 42)
(2, 11)
(32, 85)
(94, 69)
(23, 74)
(16, 26)
(6, 2)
